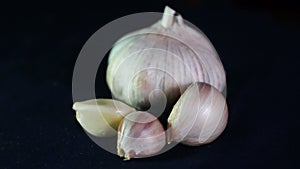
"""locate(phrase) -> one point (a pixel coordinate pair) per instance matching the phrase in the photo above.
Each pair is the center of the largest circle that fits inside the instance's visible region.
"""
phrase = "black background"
(258, 43)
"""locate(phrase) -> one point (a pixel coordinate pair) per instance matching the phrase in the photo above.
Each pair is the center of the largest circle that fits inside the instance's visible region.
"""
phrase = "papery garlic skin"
(140, 135)
(199, 116)
(168, 56)
(101, 117)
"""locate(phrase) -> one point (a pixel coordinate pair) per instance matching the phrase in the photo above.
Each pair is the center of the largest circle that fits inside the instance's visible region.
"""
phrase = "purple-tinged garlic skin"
(169, 56)
(140, 135)
(199, 116)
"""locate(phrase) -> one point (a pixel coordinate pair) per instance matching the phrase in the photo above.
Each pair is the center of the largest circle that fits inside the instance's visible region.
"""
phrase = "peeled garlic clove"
(140, 135)
(199, 116)
(167, 56)
(101, 117)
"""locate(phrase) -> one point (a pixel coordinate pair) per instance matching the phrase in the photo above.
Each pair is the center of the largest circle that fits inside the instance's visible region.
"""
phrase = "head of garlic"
(199, 116)
(166, 56)
(101, 117)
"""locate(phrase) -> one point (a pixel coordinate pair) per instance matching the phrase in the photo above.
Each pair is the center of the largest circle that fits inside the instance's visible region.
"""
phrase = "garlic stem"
(179, 19)
(168, 17)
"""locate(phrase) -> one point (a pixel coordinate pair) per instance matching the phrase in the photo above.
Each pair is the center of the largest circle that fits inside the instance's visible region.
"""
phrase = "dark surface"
(258, 43)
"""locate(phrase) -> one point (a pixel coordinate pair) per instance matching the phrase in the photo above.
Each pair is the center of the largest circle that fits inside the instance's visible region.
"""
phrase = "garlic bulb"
(101, 117)
(199, 116)
(140, 135)
(167, 56)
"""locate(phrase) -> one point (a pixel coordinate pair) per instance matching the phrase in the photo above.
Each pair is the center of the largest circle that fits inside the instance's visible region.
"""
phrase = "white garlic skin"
(199, 116)
(166, 56)
(140, 135)
(101, 117)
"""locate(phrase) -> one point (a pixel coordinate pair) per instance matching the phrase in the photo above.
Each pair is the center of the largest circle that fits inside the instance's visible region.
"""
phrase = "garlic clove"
(101, 117)
(169, 56)
(140, 135)
(199, 116)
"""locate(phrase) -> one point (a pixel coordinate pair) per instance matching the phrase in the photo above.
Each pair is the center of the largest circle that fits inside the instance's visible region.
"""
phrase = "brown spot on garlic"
(199, 116)
(101, 117)
(140, 135)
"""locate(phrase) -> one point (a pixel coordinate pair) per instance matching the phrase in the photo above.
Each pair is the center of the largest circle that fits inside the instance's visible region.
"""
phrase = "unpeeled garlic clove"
(101, 117)
(167, 56)
(199, 116)
(140, 135)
